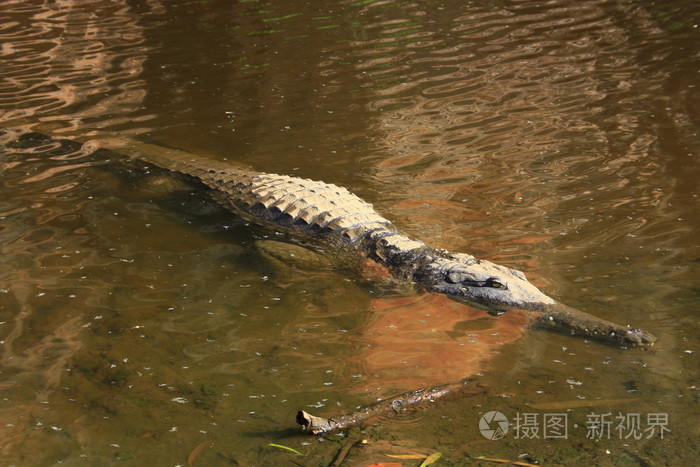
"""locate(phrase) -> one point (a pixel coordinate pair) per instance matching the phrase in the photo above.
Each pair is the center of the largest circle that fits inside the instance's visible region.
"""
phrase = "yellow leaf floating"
(286, 448)
(431, 459)
(406, 456)
(195, 452)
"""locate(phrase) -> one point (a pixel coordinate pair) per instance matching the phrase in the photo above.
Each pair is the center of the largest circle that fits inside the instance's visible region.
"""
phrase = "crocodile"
(331, 219)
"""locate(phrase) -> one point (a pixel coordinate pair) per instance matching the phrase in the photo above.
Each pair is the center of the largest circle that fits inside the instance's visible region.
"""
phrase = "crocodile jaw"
(486, 285)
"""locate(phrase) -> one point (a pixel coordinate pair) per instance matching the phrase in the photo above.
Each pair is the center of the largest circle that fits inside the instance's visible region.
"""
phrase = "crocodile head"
(485, 285)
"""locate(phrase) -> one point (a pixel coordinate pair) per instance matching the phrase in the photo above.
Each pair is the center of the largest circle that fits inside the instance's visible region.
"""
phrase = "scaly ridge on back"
(313, 211)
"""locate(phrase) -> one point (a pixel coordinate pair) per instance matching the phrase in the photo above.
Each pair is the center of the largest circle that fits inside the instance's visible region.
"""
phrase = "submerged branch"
(393, 406)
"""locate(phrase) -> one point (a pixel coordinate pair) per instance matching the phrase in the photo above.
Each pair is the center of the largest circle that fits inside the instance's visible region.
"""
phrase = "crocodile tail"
(172, 159)
(126, 149)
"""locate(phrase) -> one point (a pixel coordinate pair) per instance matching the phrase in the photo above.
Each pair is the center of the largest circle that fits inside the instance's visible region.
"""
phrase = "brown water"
(559, 137)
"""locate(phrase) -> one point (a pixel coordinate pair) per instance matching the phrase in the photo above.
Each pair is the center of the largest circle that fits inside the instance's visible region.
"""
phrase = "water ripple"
(71, 64)
(498, 96)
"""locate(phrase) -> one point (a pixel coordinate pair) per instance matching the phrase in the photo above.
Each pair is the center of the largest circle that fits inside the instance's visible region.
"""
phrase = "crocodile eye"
(496, 284)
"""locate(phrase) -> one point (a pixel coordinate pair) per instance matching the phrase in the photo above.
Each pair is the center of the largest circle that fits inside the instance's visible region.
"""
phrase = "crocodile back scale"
(322, 215)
